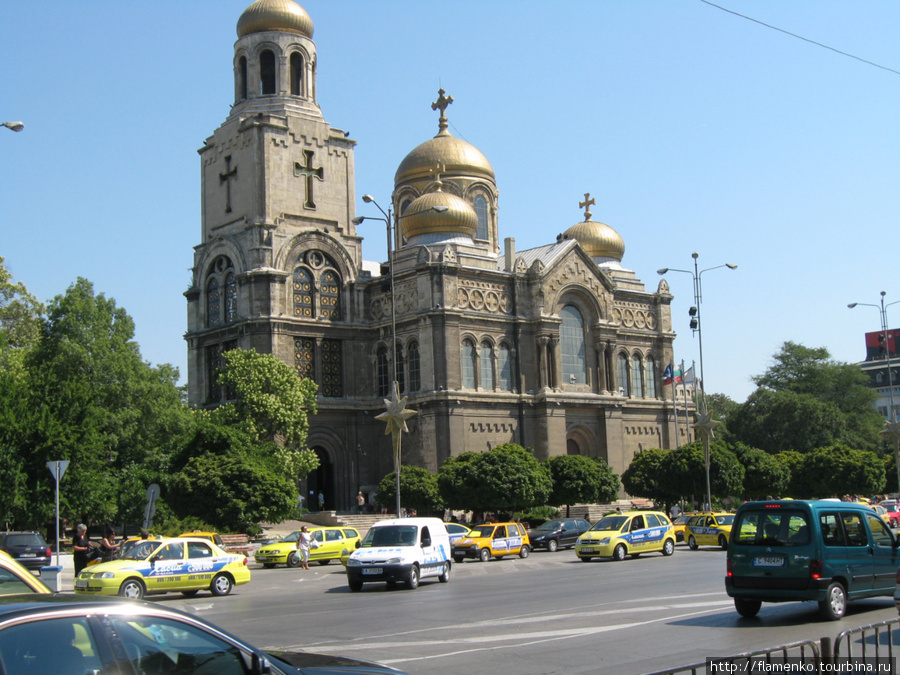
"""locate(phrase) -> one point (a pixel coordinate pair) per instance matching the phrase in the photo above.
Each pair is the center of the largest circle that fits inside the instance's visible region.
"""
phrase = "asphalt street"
(549, 613)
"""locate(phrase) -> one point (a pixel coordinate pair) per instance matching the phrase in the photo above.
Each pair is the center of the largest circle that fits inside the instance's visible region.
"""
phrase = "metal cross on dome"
(441, 104)
(586, 205)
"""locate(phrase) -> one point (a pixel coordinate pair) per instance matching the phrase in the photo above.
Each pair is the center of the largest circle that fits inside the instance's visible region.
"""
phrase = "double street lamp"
(891, 429)
(705, 423)
(396, 414)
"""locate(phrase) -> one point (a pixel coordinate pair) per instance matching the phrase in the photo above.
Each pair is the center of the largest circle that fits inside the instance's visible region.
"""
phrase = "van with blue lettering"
(401, 550)
(826, 551)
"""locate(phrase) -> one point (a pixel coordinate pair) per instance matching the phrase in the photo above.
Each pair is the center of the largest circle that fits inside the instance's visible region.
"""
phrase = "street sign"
(59, 465)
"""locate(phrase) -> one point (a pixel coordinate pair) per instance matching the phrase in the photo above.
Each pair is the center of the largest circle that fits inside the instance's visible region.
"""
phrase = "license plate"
(371, 570)
(28, 555)
(765, 561)
(81, 584)
(587, 550)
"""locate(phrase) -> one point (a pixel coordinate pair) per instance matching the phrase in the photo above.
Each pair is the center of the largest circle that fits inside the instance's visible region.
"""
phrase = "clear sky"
(696, 130)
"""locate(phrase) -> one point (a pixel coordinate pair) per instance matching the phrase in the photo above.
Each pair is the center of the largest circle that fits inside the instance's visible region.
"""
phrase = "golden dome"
(457, 156)
(278, 15)
(599, 240)
(438, 212)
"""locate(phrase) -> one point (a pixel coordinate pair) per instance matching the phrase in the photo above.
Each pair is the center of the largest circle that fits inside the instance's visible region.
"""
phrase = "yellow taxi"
(209, 536)
(330, 544)
(492, 540)
(709, 529)
(16, 579)
(679, 524)
(165, 566)
(124, 546)
(621, 534)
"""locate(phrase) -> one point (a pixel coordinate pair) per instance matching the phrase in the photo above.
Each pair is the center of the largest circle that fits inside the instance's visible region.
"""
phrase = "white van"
(402, 549)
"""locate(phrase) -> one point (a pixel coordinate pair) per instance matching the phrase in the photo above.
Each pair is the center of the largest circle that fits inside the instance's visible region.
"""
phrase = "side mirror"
(358, 543)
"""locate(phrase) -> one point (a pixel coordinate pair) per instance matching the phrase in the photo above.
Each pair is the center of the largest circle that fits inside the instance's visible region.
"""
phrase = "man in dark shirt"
(81, 545)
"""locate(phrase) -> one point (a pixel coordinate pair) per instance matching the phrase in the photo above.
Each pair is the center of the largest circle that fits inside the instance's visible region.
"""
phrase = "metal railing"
(806, 651)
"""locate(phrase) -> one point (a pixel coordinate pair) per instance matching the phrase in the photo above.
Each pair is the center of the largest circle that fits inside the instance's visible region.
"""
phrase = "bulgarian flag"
(672, 375)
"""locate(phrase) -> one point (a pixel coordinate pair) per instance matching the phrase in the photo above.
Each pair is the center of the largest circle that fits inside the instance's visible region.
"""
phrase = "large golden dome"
(599, 240)
(278, 15)
(438, 212)
(458, 157)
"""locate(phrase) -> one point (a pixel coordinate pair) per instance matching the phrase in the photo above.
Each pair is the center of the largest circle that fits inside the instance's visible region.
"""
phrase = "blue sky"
(693, 128)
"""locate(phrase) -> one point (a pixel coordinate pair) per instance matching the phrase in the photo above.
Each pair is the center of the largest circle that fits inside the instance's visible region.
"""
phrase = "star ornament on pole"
(705, 426)
(395, 416)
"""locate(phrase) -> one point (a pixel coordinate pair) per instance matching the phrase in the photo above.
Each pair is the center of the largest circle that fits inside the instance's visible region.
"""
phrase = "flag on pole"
(667, 375)
(689, 375)
(677, 378)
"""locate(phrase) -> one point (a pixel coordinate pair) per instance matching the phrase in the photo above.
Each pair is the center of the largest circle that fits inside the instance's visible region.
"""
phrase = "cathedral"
(558, 348)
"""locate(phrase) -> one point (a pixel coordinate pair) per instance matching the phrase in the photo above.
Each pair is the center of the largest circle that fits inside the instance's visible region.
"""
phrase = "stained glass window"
(637, 384)
(213, 303)
(468, 364)
(230, 298)
(622, 374)
(332, 372)
(487, 366)
(330, 295)
(651, 376)
(415, 375)
(304, 357)
(572, 344)
(504, 367)
(303, 293)
(382, 376)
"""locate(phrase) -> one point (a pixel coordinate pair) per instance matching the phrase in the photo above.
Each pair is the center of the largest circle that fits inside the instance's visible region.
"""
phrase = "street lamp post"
(15, 126)
(891, 426)
(396, 414)
(705, 422)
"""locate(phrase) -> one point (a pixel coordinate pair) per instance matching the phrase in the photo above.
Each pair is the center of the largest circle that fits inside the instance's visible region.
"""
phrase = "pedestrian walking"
(303, 544)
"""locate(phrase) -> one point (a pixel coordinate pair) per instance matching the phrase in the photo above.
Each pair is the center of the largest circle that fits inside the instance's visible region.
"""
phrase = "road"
(549, 613)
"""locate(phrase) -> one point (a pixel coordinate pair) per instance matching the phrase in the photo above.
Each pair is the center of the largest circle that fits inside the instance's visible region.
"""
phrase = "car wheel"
(413, 579)
(133, 589)
(692, 543)
(221, 585)
(355, 585)
(189, 594)
(484, 555)
(747, 608)
(293, 560)
(324, 562)
(445, 573)
(668, 547)
(552, 545)
(457, 559)
(269, 566)
(619, 552)
(723, 542)
(523, 552)
(835, 603)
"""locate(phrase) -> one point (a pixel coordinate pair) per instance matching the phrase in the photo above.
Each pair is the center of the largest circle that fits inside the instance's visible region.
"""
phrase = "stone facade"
(558, 348)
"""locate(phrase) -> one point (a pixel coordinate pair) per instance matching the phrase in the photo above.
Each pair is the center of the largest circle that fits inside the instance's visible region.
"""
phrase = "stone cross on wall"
(309, 173)
(226, 178)
(441, 104)
(586, 205)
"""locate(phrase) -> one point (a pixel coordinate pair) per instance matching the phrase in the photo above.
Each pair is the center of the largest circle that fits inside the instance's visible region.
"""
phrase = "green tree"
(20, 315)
(791, 461)
(505, 478)
(837, 470)
(578, 479)
(684, 471)
(764, 476)
(645, 476)
(418, 489)
(722, 408)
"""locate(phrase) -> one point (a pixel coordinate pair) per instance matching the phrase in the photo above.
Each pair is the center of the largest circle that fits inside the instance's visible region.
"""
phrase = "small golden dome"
(278, 15)
(438, 212)
(458, 157)
(599, 240)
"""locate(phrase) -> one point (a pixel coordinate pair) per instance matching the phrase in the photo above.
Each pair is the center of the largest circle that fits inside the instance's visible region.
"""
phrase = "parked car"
(178, 564)
(622, 534)
(28, 548)
(16, 579)
(825, 551)
(456, 531)
(556, 534)
(889, 513)
(331, 543)
(493, 539)
(680, 523)
(68, 634)
(709, 529)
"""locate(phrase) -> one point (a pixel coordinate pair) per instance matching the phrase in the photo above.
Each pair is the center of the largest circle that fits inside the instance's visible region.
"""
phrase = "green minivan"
(827, 550)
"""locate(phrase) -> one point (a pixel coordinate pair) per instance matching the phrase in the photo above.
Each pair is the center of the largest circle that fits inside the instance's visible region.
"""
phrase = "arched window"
(230, 298)
(330, 295)
(468, 364)
(415, 373)
(213, 303)
(405, 205)
(637, 384)
(304, 357)
(622, 374)
(481, 210)
(651, 377)
(332, 372)
(382, 372)
(572, 447)
(398, 367)
(303, 293)
(296, 74)
(242, 79)
(572, 344)
(267, 72)
(487, 366)
(504, 367)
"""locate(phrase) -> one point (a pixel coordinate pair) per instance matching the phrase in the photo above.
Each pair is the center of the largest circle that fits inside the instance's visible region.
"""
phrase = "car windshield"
(391, 535)
(724, 520)
(482, 531)
(291, 538)
(610, 523)
(781, 527)
(25, 540)
(549, 526)
(138, 550)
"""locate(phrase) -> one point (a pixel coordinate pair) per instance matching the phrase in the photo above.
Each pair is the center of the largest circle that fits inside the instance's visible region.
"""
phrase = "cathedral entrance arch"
(321, 481)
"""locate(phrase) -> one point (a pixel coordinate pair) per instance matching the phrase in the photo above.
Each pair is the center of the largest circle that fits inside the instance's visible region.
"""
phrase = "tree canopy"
(577, 479)
(418, 490)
